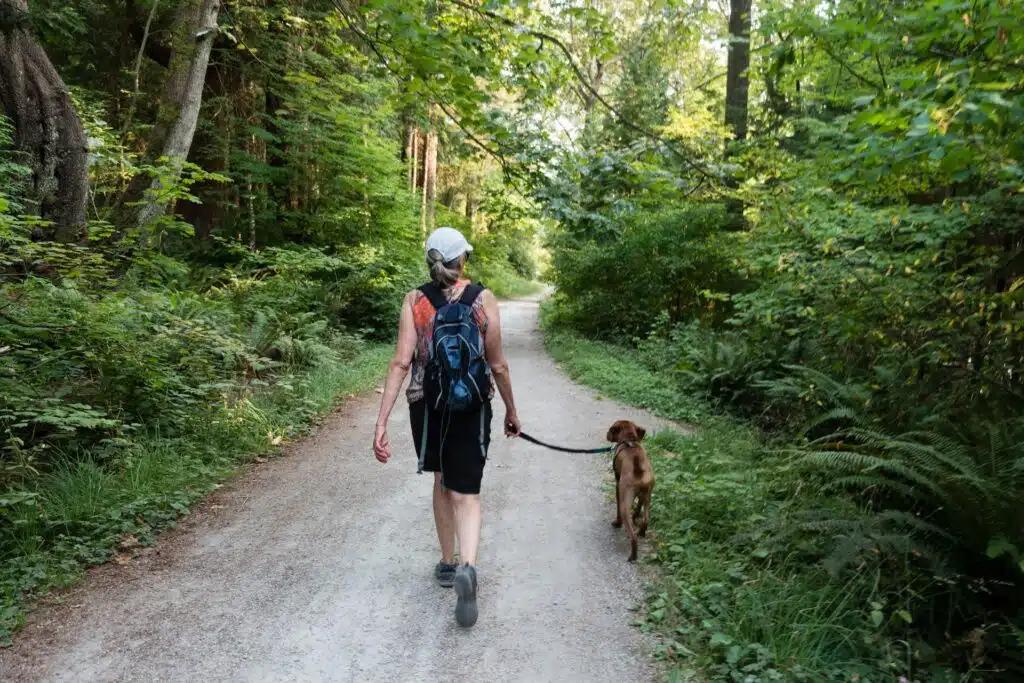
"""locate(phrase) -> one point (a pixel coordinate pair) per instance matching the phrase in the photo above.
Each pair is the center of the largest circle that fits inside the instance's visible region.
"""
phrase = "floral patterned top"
(423, 317)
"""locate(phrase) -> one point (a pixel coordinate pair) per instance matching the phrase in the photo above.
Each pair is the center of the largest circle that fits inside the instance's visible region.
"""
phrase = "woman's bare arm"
(397, 372)
(495, 355)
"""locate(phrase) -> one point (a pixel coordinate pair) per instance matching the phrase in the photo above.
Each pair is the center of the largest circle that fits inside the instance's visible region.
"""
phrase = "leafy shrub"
(749, 594)
(842, 555)
(667, 262)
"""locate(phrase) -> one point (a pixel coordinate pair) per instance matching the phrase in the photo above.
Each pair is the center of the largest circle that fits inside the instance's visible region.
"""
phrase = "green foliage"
(654, 264)
(140, 365)
(628, 379)
(969, 496)
(762, 576)
(85, 505)
(859, 296)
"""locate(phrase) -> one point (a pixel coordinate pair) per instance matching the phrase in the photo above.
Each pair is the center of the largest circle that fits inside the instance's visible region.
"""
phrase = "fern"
(868, 484)
(857, 462)
(968, 494)
(831, 417)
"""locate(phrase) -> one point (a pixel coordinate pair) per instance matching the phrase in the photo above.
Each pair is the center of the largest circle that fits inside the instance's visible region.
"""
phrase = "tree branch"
(585, 82)
(853, 72)
(138, 68)
(881, 71)
(158, 52)
(436, 99)
(708, 81)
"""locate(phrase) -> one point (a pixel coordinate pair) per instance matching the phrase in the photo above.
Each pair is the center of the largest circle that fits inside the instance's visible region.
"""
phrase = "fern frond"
(856, 462)
(865, 482)
(914, 523)
(838, 414)
(956, 458)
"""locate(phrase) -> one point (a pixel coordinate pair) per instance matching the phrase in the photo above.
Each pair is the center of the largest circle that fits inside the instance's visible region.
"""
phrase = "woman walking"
(451, 443)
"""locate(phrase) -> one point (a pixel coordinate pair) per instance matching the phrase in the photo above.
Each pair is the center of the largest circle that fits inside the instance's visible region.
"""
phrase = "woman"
(455, 447)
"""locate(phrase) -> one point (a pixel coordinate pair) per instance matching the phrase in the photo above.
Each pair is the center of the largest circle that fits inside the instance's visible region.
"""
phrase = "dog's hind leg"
(645, 518)
(618, 506)
(625, 501)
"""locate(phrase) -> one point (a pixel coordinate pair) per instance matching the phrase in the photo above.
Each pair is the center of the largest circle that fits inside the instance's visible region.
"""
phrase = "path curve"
(317, 565)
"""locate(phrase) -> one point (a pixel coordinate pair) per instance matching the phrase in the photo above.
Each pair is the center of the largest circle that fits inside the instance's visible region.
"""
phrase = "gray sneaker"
(465, 588)
(445, 574)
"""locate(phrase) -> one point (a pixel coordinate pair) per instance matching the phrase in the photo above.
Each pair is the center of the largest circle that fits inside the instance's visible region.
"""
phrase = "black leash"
(527, 437)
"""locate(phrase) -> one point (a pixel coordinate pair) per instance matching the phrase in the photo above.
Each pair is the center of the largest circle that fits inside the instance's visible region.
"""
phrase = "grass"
(622, 375)
(741, 593)
(90, 503)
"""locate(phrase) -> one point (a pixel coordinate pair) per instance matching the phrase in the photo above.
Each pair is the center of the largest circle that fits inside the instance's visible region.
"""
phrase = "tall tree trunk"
(737, 84)
(415, 171)
(423, 183)
(46, 127)
(430, 178)
(471, 207)
(195, 30)
(409, 156)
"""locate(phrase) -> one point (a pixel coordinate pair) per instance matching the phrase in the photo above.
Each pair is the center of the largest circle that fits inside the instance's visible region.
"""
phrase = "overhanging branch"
(435, 99)
(585, 83)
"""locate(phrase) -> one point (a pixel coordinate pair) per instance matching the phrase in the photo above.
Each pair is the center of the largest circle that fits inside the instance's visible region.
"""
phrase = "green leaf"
(719, 639)
(1000, 546)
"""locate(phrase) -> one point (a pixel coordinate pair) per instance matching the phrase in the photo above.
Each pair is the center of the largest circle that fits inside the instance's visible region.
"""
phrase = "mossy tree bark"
(737, 83)
(46, 126)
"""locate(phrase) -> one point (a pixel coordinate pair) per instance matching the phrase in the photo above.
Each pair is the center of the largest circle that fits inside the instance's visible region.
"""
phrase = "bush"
(854, 551)
(128, 389)
(757, 580)
(661, 266)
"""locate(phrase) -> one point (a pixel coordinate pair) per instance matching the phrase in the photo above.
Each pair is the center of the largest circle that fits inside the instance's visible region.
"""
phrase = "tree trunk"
(409, 156)
(46, 127)
(415, 170)
(430, 178)
(471, 207)
(195, 30)
(737, 84)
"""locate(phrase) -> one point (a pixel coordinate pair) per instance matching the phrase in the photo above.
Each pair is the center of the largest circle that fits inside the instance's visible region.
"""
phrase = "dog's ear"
(640, 433)
(613, 433)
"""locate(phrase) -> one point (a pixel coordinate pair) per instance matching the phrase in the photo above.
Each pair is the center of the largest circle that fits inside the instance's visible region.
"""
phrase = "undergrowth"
(89, 505)
(766, 573)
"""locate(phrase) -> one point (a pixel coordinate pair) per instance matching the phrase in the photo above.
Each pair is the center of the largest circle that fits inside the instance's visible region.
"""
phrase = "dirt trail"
(318, 565)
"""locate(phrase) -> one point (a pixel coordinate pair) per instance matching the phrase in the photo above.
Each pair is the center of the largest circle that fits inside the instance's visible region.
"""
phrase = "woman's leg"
(444, 520)
(467, 524)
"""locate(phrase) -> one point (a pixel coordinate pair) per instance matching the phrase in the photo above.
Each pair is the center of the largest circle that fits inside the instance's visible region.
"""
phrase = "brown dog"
(634, 480)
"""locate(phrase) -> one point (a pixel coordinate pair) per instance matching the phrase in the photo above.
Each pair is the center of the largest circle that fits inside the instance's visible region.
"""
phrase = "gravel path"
(318, 565)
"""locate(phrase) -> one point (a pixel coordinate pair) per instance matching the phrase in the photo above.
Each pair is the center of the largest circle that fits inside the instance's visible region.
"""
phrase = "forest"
(796, 224)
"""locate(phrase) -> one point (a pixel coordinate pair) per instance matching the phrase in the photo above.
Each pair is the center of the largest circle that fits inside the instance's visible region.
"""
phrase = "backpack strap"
(438, 300)
(470, 294)
(434, 294)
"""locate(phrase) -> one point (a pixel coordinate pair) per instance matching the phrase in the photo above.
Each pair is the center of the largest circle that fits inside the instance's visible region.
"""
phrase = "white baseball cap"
(450, 242)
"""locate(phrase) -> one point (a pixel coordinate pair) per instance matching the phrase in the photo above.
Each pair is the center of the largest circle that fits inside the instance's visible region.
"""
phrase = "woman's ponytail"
(442, 274)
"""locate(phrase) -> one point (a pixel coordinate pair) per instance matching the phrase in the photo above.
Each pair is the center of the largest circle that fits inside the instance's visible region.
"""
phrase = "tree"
(46, 126)
(737, 84)
(193, 36)
(429, 179)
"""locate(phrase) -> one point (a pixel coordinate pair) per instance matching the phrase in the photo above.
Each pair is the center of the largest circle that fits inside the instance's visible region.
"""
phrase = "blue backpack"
(457, 378)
